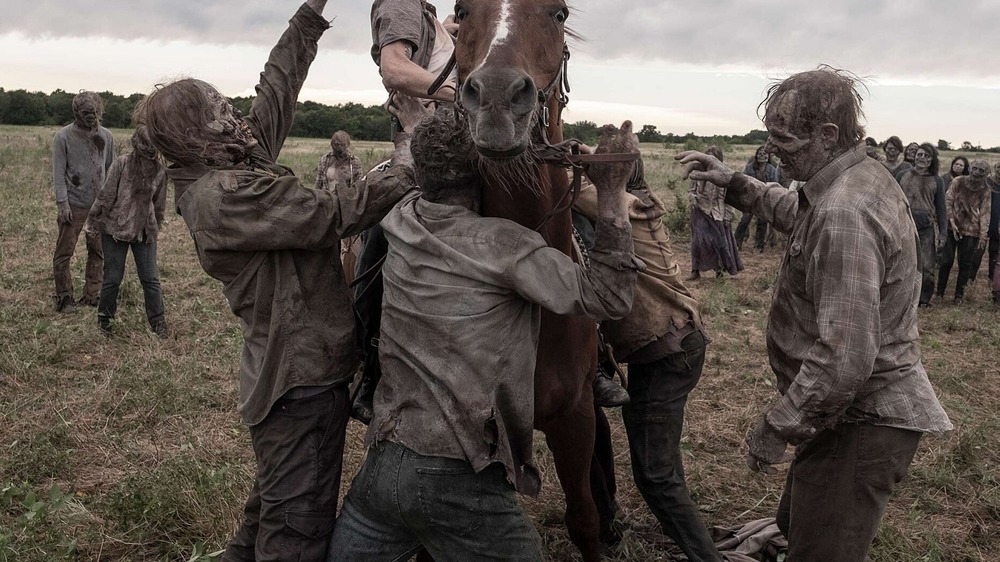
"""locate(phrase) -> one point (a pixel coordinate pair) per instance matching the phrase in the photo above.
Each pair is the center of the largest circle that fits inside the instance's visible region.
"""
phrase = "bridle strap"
(443, 76)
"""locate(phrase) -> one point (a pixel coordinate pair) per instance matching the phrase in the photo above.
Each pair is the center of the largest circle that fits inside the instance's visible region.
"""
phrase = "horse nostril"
(523, 95)
(471, 91)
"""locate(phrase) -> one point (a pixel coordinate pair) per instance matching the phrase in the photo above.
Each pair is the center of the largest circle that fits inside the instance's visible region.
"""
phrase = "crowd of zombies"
(449, 331)
(956, 211)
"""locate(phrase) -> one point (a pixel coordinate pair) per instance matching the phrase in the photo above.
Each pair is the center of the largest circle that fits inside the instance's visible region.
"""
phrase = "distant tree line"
(317, 120)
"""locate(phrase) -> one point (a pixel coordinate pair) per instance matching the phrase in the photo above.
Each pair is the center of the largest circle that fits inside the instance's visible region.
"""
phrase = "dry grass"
(131, 448)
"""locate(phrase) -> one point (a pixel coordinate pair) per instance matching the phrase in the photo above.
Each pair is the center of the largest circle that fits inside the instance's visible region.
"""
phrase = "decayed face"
(87, 116)
(801, 155)
(891, 152)
(338, 146)
(978, 171)
(922, 161)
(761, 156)
(227, 130)
(911, 150)
(996, 171)
(957, 167)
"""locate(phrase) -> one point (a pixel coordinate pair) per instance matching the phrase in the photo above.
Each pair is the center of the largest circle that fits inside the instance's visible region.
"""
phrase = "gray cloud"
(884, 37)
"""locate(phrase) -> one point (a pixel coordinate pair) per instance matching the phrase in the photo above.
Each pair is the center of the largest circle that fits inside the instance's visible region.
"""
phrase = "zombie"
(959, 167)
(713, 246)
(452, 432)
(82, 152)
(663, 341)
(128, 213)
(274, 243)
(994, 242)
(893, 162)
(924, 189)
(758, 167)
(842, 333)
(911, 152)
(340, 168)
(969, 199)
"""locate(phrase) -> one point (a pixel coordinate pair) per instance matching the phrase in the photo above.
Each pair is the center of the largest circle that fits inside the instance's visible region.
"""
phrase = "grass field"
(131, 448)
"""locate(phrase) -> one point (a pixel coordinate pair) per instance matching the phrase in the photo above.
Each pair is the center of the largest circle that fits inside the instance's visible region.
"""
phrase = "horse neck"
(523, 204)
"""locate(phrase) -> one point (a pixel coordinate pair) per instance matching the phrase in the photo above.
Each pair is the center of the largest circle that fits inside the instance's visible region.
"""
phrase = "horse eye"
(460, 13)
(561, 15)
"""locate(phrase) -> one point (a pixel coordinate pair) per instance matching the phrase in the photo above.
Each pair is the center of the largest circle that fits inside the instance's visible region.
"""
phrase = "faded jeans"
(837, 490)
(144, 255)
(292, 507)
(402, 501)
(66, 246)
(654, 419)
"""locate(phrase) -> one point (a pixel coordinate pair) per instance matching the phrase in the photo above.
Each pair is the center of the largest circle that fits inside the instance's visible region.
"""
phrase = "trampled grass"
(131, 448)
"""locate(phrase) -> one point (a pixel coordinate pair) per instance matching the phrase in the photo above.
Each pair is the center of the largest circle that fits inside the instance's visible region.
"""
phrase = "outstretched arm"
(770, 201)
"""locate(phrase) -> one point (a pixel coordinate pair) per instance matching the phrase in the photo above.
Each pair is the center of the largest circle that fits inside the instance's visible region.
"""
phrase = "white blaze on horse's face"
(505, 49)
(502, 31)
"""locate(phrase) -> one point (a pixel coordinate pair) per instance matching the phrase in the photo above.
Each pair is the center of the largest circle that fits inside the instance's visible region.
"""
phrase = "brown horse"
(510, 57)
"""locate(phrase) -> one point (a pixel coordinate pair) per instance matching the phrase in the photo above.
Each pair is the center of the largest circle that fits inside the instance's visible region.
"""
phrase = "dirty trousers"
(654, 419)
(837, 490)
(299, 448)
(65, 246)
(144, 254)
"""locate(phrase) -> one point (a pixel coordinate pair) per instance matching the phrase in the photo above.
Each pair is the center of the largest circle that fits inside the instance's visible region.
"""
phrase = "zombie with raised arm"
(274, 244)
(82, 152)
(842, 332)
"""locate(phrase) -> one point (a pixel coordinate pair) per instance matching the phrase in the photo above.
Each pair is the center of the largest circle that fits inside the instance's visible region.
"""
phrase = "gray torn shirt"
(460, 321)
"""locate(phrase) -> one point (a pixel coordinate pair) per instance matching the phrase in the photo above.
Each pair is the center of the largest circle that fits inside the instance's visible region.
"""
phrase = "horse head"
(510, 56)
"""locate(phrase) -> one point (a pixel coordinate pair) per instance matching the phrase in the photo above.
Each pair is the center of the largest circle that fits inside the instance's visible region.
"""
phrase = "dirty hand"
(409, 110)
(614, 140)
(65, 214)
(765, 448)
(982, 244)
(699, 166)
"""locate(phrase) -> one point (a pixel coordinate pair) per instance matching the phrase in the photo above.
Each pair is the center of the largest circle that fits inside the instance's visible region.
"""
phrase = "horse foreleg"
(571, 440)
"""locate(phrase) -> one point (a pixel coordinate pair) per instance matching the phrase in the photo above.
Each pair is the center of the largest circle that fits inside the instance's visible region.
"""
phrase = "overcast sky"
(682, 66)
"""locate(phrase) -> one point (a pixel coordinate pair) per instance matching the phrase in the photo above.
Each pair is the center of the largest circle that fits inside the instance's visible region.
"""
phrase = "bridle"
(565, 154)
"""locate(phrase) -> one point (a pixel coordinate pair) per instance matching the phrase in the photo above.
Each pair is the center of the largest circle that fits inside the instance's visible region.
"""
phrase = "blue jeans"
(654, 419)
(402, 501)
(144, 254)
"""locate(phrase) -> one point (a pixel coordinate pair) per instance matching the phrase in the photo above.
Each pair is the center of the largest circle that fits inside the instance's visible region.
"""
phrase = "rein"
(565, 154)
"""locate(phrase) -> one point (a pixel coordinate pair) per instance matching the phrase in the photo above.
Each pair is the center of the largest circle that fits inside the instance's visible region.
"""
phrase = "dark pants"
(966, 250)
(927, 260)
(654, 419)
(994, 249)
(760, 234)
(144, 255)
(66, 246)
(293, 504)
(837, 489)
(402, 501)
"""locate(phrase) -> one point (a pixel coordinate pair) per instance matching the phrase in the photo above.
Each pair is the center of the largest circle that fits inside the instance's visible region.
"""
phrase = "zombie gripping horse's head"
(509, 54)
